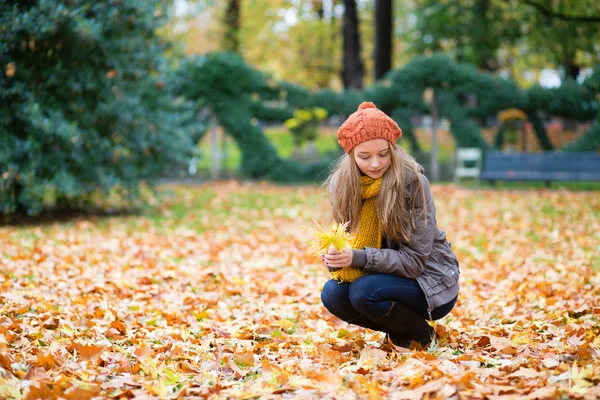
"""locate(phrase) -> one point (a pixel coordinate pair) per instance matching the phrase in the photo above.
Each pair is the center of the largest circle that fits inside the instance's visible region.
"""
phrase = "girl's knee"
(360, 293)
(332, 294)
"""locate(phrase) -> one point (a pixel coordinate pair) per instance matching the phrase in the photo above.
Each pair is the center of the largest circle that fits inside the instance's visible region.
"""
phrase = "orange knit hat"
(367, 123)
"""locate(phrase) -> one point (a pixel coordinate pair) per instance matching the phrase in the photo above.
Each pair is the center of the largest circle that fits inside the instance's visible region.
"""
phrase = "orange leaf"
(509, 350)
(90, 352)
(120, 326)
(245, 360)
(330, 355)
(5, 363)
(79, 393)
(483, 341)
(424, 355)
(143, 352)
(39, 390)
(46, 360)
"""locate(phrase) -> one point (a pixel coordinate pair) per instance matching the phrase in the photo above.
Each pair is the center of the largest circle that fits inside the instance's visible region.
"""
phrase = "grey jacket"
(428, 256)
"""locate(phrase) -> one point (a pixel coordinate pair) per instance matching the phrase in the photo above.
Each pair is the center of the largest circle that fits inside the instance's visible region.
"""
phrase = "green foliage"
(569, 45)
(304, 124)
(402, 118)
(84, 107)
(472, 31)
(589, 141)
(491, 34)
(239, 96)
(231, 88)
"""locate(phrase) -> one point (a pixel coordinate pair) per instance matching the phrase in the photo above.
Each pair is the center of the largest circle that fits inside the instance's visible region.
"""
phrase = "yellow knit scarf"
(369, 232)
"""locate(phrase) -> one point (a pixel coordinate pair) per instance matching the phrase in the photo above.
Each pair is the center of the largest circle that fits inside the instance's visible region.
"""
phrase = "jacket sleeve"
(410, 259)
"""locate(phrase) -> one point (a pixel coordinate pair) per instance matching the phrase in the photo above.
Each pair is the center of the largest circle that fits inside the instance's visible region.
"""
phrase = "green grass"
(446, 152)
(232, 154)
(279, 137)
(189, 206)
(284, 142)
(595, 262)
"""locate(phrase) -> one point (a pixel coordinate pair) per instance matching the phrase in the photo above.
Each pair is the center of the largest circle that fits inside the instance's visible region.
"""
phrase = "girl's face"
(373, 157)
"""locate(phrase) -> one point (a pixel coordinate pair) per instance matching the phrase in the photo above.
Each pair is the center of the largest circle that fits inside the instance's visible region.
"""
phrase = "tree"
(511, 35)
(582, 11)
(304, 50)
(231, 41)
(565, 32)
(85, 104)
(319, 7)
(353, 69)
(383, 37)
(472, 31)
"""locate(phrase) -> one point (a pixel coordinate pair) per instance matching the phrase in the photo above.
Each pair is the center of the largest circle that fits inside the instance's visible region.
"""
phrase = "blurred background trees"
(99, 96)
(304, 41)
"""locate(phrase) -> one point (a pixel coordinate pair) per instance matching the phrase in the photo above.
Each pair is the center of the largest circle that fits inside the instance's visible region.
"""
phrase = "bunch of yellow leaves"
(337, 236)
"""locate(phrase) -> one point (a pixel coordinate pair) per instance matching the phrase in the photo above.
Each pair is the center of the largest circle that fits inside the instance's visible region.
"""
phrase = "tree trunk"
(435, 123)
(383, 37)
(540, 131)
(231, 20)
(572, 69)
(215, 151)
(354, 70)
(484, 44)
(319, 8)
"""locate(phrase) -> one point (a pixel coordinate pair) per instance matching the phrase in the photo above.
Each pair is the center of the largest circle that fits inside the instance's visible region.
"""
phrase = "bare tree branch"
(565, 17)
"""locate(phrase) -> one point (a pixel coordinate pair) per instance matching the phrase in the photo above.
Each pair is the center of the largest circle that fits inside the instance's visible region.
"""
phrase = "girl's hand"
(337, 259)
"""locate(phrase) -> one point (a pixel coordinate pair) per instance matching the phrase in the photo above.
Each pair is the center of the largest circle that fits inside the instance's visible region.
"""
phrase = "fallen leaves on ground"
(215, 294)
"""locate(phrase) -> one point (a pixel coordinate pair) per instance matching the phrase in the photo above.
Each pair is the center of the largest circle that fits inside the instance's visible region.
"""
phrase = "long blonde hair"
(396, 208)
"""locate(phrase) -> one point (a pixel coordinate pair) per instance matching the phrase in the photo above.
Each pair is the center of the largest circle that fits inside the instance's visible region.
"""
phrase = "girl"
(408, 273)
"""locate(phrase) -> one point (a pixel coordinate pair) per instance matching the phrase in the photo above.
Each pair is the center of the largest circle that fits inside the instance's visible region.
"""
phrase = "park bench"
(546, 166)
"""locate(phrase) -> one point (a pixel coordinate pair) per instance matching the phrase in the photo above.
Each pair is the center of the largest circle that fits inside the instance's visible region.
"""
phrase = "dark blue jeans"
(382, 302)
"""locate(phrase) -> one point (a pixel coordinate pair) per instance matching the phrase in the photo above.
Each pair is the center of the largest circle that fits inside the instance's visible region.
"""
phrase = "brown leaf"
(114, 334)
(424, 355)
(144, 280)
(80, 393)
(143, 352)
(483, 341)
(524, 373)
(51, 323)
(120, 326)
(90, 352)
(245, 360)
(46, 360)
(39, 390)
(543, 393)
(5, 363)
(330, 355)
(119, 382)
(36, 374)
(509, 350)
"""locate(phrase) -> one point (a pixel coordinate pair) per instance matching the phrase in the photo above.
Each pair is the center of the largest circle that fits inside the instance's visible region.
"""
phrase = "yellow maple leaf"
(335, 235)
(578, 378)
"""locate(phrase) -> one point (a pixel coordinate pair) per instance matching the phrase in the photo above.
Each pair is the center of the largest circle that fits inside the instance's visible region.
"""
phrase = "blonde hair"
(396, 209)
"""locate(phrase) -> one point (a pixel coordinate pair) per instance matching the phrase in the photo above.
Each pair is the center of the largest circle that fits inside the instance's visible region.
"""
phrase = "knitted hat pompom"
(367, 123)
(366, 104)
